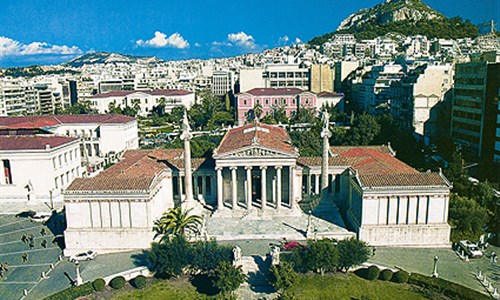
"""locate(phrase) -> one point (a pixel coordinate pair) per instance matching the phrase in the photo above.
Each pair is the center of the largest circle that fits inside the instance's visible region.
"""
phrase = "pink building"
(291, 99)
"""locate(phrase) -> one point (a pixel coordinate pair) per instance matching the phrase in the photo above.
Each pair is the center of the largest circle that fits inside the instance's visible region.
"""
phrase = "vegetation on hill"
(452, 28)
(32, 71)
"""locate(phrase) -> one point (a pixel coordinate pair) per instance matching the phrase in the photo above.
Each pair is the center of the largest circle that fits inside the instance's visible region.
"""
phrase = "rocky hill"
(407, 17)
(106, 57)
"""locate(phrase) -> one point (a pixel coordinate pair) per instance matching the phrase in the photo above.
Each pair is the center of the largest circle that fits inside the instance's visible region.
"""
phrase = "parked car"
(40, 217)
(83, 256)
(470, 249)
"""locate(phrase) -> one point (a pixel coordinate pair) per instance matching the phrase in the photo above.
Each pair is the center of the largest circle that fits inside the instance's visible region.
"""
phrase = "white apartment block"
(144, 100)
(222, 82)
(275, 76)
(36, 168)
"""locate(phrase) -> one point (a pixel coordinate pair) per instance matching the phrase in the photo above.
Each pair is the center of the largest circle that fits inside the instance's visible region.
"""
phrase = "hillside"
(407, 17)
(106, 57)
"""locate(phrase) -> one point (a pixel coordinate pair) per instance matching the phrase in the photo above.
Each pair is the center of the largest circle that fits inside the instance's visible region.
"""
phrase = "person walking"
(32, 244)
(6, 267)
(25, 257)
(44, 244)
(42, 231)
(24, 238)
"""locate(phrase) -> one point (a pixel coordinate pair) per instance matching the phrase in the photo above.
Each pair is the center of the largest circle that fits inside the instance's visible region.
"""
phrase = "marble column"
(291, 190)
(325, 135)
(309, 184)
(234, 187)
(316, 184)
(249, 187)
(278, 186)
(263, 171)
(188, 179)
(220, 204)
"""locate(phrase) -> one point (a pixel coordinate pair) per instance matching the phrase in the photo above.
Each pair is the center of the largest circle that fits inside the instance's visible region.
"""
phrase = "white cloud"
(10, 47)
(242, 39)
(161, 40)
(197, 44)
(298, 41)
(215, 43)
(284, 39)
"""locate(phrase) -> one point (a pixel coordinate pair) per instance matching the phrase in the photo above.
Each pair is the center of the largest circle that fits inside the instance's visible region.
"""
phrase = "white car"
(40, 217)
(83, 256)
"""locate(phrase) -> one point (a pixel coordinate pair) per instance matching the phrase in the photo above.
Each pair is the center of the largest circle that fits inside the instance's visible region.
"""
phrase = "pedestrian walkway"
(256, 267)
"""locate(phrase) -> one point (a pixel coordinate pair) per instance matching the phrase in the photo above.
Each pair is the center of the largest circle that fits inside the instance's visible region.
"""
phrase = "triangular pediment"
(256, 151)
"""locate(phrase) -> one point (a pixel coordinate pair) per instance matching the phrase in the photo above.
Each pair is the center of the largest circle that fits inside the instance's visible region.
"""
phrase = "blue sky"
(48, 32)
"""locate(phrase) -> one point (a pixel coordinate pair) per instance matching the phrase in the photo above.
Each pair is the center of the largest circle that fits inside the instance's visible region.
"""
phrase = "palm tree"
(176, 222)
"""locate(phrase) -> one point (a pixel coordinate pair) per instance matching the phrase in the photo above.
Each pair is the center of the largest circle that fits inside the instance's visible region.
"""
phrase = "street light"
(435, 272)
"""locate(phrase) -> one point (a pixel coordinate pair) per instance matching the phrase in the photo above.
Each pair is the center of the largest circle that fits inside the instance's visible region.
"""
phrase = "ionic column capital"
(278, 167)
(218, 168)
(248, 168)
(263, 167)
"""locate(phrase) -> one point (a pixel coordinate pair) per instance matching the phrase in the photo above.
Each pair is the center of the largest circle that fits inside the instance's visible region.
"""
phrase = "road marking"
(18, 282)
(28, 251)
(19, 230)
(30, 265)
(18, 221)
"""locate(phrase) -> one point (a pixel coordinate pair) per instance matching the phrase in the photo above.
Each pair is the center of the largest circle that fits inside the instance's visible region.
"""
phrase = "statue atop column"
(236, 256)
(186, 136)
(325, 134)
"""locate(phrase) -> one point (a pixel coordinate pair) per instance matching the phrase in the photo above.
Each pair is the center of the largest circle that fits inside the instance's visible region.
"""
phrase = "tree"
(322, 256)
(207, 255)
(283, 278)
(352, 252)
(467, 218)
(168, 258)
(363, 130)
(176, 222)
(228, 278)
(80, 108)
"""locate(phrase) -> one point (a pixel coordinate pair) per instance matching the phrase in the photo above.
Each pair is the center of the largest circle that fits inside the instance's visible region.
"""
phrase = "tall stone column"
(220, 204)
(278, 186)
(234, 187)
(325, 134)
(249, 187)
(316, 184)
(263, 184)
(186, 136)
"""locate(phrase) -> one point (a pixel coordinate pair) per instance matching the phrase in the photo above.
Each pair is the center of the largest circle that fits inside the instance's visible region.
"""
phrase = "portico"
(256, 169)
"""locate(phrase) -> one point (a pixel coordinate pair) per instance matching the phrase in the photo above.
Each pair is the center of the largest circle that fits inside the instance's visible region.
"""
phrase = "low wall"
(129, 274)
(424, 235)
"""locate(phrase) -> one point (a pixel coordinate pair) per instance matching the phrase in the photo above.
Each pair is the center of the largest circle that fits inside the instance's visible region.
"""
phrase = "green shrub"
(447, 288)
(139, 282)
(385, 275)
(73, 292)
(98, 284)
(400, 277)
(117, 283)
(373, 273)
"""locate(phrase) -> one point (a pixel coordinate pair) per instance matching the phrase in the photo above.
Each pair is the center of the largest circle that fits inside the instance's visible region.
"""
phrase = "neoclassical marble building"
(257, 178)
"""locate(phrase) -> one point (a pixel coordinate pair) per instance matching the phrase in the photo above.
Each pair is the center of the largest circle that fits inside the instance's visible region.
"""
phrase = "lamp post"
(435, 272)
(78, 279)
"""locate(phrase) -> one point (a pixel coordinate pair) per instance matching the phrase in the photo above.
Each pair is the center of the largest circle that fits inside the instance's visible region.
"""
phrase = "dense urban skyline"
(48, 32)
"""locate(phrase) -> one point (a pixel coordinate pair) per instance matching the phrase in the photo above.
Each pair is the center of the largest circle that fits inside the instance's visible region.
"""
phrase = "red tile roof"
(267, 136)
(316, 161)
(274, 91)
(329, 94)
(32, 142)
(399, 180)
(50, 121)
(152, 93)
(338, 150)
(366, 161)
(137, 170)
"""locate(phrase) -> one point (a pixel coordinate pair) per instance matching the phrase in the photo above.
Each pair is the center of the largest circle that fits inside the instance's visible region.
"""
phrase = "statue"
(237, 256)
(325, 119)
(275, 255)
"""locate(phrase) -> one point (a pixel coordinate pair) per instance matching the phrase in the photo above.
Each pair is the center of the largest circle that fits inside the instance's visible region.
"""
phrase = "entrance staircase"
(256, 287)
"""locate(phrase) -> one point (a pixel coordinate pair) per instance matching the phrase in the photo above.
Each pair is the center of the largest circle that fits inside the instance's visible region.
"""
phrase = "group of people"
(4, 268)
(30, 239)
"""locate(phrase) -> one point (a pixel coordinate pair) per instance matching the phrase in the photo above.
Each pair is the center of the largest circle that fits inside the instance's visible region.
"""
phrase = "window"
(55, 183)
(67, 176)
(7, 171)
(65, 157)
(267, 101)
(62, 180)
(54, 162)
(60, 160)
(70, 155)
(244, 102)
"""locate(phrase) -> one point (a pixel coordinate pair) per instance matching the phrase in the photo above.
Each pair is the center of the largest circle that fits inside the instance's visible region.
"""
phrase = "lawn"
(350, 286)
(160, 289)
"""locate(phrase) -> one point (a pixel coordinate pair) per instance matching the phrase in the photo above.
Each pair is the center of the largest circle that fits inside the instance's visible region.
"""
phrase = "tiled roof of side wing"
(32, 142)
(55, 120)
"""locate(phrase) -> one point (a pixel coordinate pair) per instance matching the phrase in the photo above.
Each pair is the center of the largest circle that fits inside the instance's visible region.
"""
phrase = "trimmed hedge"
(373, 273)
(98, 284)
(117, 283)
(447, 288)
(385, 275)
(73, 292)
(139, 282)
(400, 277)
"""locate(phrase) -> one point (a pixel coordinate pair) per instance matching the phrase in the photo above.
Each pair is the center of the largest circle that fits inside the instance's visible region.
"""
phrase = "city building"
(144, 101)
(36, 167)
(222, 82)
(275, 76)
(474, 119)
(271, 99)
(102, 138)
(257, 179)
(321, 78)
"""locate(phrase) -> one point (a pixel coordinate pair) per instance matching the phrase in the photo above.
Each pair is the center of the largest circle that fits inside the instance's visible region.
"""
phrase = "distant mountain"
(107, 57)
(407, 17)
